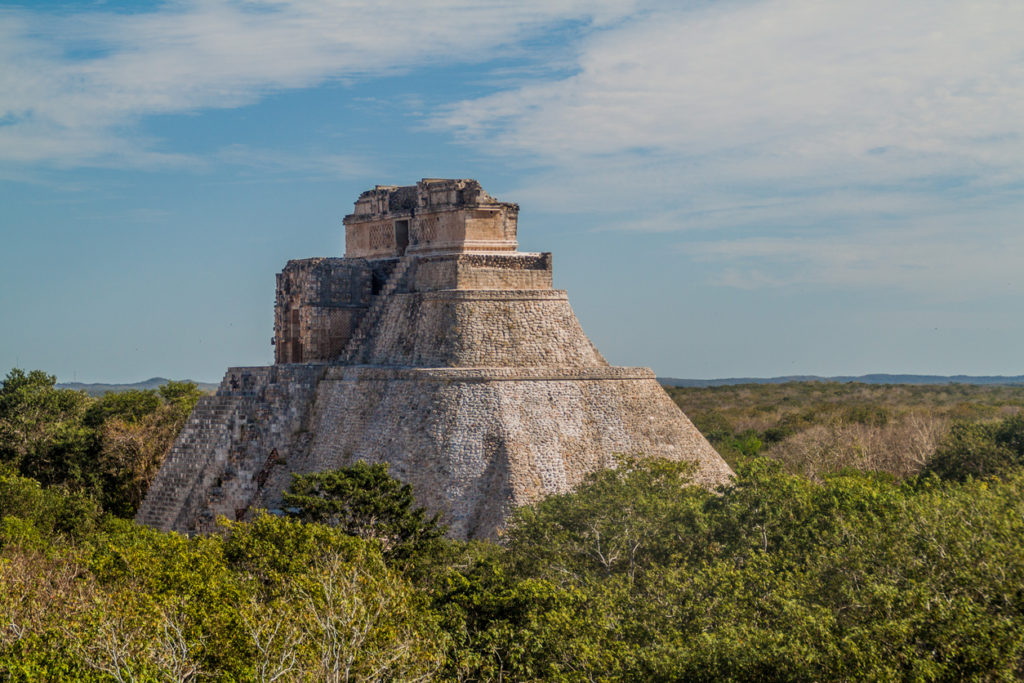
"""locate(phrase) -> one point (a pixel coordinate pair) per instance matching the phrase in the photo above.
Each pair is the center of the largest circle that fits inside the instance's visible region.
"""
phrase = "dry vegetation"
(818, 428)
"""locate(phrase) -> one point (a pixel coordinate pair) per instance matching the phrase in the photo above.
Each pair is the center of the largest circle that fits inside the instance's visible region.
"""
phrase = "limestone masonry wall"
(232, 441)
(481, 271)
(480, 328)
(319, 303)
(474, 449)
(434, 216)
(433, 348)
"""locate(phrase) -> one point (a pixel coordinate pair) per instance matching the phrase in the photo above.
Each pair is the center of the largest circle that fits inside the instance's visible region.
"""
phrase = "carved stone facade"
(319, 304)
(435, 347)
(434, 216)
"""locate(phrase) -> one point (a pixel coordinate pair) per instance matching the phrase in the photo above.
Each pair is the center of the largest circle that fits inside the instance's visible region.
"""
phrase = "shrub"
(365, 501)
(980, 450)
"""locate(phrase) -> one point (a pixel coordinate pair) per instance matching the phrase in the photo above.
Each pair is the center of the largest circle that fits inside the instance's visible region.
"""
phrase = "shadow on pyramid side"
(432, 346)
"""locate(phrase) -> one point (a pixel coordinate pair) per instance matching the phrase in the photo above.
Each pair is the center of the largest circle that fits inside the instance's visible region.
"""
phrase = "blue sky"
(734, 188)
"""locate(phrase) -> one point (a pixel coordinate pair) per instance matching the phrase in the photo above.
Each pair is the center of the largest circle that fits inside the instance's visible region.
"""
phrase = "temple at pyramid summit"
(436, 347)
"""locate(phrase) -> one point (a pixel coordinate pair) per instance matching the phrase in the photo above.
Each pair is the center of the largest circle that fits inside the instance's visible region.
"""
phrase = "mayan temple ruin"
(433, 346)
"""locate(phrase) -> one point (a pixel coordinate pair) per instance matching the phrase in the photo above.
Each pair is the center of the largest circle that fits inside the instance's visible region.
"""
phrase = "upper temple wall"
(435, 216)
(318, 305)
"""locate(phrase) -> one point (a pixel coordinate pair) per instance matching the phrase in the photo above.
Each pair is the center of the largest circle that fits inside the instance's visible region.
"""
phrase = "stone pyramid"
(433, 346)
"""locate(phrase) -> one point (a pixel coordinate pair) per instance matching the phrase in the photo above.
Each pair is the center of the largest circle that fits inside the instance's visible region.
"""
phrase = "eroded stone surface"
(435, 216)
(433, 347)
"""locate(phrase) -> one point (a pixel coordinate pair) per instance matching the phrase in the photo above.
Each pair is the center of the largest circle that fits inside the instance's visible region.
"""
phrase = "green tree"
(624, 523)
(134, 437)
(182, 396)
(28, 510)
(509, 627)
(365, 501)
(110, 447)
(980, 450)
(41, 431)
(128, 406)
(780, 578)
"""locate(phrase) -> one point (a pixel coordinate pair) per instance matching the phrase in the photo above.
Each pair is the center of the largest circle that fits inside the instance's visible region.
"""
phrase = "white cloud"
(809, 80)
(840, 144)
(847, 144)
(940, 258)
(73, 86)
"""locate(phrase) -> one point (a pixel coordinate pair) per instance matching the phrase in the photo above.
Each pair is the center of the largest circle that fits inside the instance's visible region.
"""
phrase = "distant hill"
(152, 383)
(99, 389)
(865, 379)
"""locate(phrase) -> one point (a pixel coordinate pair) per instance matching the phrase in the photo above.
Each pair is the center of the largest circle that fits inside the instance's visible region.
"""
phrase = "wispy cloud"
(958, 256)
(816, 82)
(72, 87)
(800, 142)
(838, 143)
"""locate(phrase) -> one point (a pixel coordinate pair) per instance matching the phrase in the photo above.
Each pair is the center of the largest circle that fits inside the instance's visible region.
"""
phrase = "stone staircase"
(230, 444)
(194, 462)
(354, 351)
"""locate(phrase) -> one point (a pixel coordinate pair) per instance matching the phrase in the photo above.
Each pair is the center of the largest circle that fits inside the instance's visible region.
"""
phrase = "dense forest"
(871, 532)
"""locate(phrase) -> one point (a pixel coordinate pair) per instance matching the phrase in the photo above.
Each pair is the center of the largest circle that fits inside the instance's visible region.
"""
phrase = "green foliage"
(275, 599)
(273, 549)
(731, 444)
(618, 528)
(637, 575)
(364, 501)
(128, 453)
(183, 395)
(781, 578)
(524, 629)
(27, 510)
(41, 430)
(868, 414)
(980, 450)
(109, 448)
(128, 406)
